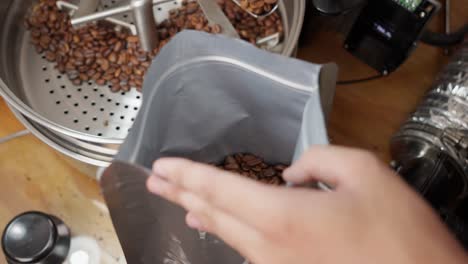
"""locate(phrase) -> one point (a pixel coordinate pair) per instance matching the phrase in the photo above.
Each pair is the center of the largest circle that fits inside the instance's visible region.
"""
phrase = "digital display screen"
(383, 31)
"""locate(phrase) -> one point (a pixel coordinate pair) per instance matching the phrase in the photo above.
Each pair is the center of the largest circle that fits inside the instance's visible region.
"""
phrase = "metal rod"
(266, 40)
(145, 22)
(66, 5)
(101, 15)
(13, 136)
(106, 14)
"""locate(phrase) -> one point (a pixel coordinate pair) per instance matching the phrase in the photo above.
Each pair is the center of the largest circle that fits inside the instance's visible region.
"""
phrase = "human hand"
(370, 217)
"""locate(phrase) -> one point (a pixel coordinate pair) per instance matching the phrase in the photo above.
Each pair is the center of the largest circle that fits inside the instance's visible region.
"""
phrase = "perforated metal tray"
(89, 114)
(88, 108)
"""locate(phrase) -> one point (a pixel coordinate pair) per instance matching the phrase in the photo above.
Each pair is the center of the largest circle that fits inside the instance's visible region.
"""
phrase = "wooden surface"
(34, 177)
(366, 115)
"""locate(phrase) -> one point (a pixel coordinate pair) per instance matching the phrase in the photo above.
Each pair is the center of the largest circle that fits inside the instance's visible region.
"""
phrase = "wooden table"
(35, 177)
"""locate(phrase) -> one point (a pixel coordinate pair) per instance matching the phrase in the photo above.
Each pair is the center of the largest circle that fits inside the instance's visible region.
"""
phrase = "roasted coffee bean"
(50, 56)
(73, 74)
(251, 160)
(115, 87)
(84, 77)
(77, 81)
(216, 29)
(138, 83)
(110, 53)
(269, 172)
(258, 6)
(133, 39)
(96, 77)
(280, 168)
(262, 172)
(113, 57)
(231, 166)
(118, 46)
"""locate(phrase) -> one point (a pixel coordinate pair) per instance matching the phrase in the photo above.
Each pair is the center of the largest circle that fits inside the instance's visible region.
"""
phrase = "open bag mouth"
(207, 97)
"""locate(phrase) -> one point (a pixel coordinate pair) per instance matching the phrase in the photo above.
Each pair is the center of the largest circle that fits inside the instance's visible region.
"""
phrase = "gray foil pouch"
(206, 97)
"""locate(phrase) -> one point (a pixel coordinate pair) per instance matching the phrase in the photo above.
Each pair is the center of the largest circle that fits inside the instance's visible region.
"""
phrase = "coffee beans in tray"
(254, 168)
(99, 53)
(258, 7)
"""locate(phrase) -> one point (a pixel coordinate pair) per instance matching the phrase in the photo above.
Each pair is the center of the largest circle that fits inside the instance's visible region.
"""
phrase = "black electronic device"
(381, 33)
(387, 31)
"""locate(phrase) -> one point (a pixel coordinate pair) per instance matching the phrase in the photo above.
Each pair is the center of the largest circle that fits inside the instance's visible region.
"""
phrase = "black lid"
(30, 238)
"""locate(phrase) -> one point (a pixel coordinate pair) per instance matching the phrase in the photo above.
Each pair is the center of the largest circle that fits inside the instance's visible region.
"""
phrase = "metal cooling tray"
(33, 86)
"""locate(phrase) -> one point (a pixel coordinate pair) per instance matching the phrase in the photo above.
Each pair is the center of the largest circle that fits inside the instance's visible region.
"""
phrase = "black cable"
(336, 7)
(444, 40)
(371, 78)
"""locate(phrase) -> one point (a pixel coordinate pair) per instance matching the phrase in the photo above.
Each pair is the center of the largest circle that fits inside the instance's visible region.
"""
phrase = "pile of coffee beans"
(254, 168)
(248, 27)
(99, 53)
(258, 7)
(96, 52)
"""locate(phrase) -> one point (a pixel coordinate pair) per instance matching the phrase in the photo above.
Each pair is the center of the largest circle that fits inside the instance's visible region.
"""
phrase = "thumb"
(330, 165)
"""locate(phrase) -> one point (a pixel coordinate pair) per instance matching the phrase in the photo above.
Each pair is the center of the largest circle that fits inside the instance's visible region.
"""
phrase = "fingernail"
(193, 222)
(293, 175)
(158, 169)
(155, 185)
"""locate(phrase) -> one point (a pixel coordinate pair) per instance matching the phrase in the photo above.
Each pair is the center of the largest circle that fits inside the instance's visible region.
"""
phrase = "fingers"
(252, 203)
(203, 216)
(193, 222)
(335, 166)
(238, 235)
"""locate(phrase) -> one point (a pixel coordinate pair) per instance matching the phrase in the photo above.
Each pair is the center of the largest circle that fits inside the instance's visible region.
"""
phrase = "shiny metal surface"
(72, 9)
(109, 12)
(440, 123)
(86, 7)
(446, 104)
(86, 122)
(143, 18)
(145, 23)
(64, 146)
(83, 20)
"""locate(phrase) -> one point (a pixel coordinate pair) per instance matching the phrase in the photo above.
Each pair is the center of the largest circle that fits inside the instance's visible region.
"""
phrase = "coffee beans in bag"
(218, 101)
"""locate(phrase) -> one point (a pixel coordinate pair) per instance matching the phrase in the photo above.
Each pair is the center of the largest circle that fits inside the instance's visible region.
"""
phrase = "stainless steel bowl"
(85, 122)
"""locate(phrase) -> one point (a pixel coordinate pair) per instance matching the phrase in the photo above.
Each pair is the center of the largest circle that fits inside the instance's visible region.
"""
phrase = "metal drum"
(86, 122)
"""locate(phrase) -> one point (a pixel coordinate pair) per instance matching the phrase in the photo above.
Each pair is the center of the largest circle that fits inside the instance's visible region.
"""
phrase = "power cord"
(14, 135)
(371, 78)
(444, 40)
